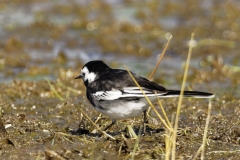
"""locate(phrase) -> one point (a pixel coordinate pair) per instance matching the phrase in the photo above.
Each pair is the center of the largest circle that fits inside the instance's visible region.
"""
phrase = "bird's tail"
(194, 94)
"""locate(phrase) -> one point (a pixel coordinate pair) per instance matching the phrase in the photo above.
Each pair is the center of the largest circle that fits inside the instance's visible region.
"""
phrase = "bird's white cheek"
(90, 77)
(85, 78)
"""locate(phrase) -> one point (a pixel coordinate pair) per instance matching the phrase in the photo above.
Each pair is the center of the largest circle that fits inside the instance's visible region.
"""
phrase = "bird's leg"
(144, 121)
(110, 125)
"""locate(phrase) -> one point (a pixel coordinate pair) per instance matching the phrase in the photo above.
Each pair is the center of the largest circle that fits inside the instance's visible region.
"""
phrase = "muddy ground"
(44, 44)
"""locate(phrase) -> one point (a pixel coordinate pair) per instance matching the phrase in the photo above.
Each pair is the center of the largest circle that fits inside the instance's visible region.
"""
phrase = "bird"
(114, 93)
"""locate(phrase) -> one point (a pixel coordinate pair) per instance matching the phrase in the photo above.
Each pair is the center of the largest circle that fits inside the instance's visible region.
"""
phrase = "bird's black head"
(92, 70)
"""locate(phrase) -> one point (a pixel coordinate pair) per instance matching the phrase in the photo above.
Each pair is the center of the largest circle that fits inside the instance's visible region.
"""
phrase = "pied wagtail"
(114, 93)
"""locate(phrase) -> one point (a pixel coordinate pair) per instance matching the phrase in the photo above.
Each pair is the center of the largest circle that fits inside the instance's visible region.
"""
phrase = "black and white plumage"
(114, 93)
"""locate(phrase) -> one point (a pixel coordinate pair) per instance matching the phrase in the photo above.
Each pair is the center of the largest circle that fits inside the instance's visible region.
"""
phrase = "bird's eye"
(83, 74)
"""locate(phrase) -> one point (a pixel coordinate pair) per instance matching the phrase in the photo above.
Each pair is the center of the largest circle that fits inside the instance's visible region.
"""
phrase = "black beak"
(78, 77)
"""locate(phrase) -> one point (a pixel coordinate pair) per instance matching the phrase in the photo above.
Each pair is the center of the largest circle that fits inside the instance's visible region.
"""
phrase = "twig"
(160, 58)
(181, 97)
(137, 143)
(206, 130)
(131, 131)
(150, 103)
(99, 129)
(164, 113)
(168, 143)
(223, 152)
(198, 152)
(53, 154)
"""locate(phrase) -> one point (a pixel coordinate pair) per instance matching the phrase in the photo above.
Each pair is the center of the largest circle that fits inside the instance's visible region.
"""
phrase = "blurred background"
(40, 39)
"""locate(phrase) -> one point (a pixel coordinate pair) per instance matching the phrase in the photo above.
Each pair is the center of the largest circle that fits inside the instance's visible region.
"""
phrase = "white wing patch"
(126, 92)
(135, 90)
(107, 95)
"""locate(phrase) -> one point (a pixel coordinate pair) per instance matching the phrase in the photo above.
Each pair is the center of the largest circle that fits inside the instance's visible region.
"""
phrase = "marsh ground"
(44, 44)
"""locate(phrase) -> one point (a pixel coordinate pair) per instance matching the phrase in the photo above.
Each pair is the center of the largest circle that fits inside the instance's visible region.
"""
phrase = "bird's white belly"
(126, 110)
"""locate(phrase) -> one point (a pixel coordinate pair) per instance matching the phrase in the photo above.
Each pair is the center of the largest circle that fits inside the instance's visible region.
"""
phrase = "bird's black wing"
(117, 84)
